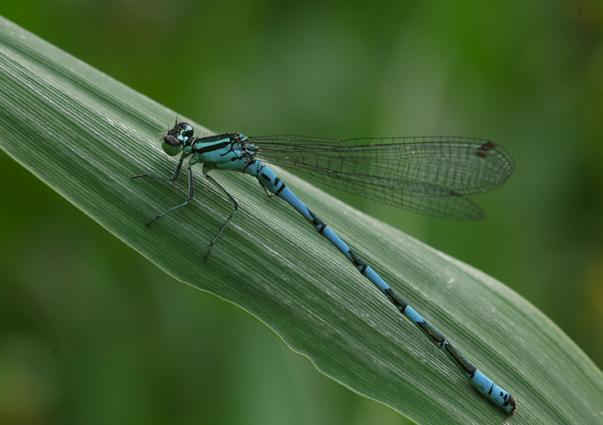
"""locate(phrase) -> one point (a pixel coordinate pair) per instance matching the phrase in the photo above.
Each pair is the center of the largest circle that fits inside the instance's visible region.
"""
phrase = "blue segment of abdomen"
(493, 392)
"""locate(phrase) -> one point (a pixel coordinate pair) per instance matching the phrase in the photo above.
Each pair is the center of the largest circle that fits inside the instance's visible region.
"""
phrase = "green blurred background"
(91, 333)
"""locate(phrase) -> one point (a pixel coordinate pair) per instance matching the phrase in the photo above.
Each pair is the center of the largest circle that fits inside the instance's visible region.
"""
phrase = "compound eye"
(171, 145)
(171, 140)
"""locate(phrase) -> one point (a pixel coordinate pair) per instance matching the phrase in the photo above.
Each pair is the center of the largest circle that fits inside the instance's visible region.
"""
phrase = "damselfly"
(428, 175)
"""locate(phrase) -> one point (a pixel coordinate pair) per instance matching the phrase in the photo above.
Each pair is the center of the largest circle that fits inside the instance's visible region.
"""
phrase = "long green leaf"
(85, 134)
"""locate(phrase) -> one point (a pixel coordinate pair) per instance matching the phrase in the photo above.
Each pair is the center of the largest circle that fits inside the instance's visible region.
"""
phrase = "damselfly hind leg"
(184, 204)
(235, 209)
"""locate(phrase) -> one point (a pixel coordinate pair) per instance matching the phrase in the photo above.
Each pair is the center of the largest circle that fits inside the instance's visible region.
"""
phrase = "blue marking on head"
(185, 132)
(182, 131)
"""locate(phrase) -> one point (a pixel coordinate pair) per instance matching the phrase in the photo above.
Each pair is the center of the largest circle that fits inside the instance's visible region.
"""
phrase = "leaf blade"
(84, 134)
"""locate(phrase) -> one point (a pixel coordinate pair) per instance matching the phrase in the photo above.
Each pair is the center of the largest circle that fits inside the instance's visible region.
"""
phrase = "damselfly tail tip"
(511, 401)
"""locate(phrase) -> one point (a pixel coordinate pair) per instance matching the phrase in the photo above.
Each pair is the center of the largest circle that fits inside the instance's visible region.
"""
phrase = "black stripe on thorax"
(214, 138)
(211, 148)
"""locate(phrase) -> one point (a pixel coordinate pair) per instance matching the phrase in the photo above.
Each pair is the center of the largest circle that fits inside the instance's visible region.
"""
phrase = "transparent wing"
(428, 175)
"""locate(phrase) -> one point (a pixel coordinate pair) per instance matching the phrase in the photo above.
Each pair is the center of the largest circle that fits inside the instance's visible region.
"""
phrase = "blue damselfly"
(428, 175)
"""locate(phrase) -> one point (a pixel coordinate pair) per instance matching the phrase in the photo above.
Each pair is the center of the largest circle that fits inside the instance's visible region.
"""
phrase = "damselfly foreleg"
(172, 179)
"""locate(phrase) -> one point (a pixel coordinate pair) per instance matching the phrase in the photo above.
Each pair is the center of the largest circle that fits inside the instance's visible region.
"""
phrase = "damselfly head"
(177, 137)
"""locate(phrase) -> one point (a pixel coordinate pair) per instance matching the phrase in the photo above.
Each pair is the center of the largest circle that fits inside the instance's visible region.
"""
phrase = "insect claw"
(206, 256)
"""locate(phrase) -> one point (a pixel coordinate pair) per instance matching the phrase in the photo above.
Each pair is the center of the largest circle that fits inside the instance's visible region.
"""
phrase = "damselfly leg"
(184, 204)
(266, 191)
(235, 209)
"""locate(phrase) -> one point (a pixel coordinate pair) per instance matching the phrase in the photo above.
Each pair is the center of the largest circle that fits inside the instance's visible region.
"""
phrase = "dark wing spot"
(485, 148)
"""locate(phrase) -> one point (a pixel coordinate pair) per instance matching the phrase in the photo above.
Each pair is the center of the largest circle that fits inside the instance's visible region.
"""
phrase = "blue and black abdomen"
(486, 386)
